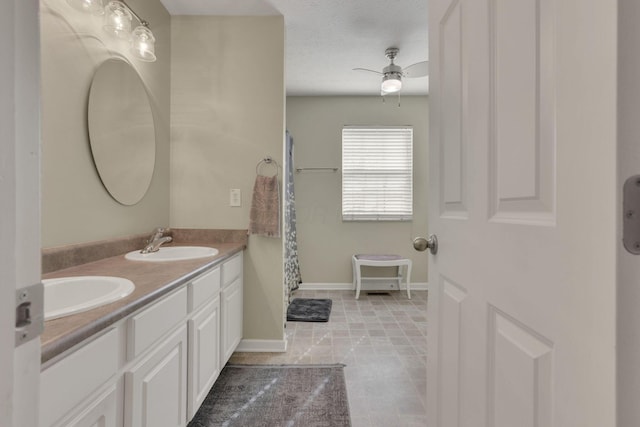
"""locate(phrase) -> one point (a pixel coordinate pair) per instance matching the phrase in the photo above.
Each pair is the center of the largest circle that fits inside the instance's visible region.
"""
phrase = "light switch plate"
(235, 197)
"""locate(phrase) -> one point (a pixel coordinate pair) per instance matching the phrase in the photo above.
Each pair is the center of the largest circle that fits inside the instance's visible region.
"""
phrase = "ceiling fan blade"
(366, 69)
(419, 69)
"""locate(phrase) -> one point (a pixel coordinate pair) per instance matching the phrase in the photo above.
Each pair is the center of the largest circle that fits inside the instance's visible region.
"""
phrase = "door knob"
(421, 244)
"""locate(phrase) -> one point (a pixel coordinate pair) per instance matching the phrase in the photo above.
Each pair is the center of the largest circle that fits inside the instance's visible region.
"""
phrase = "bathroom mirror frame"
(121, 131)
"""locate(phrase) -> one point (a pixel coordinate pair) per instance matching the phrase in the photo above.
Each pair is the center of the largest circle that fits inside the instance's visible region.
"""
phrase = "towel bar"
(316, 169)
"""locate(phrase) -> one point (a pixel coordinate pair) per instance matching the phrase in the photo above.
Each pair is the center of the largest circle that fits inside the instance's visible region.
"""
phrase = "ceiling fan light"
(391, 83)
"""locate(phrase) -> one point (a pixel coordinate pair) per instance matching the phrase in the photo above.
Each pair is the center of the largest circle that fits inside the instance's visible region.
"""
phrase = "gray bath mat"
(270, 396)
(309, 310)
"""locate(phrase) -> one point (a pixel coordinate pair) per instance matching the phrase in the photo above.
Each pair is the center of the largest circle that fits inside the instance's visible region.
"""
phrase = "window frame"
(385, 214)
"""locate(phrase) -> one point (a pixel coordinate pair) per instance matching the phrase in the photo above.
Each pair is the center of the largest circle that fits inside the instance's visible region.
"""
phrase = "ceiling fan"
(392, 74)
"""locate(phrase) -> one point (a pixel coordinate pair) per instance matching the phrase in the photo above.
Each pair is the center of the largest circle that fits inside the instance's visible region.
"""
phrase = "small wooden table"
(403, 264)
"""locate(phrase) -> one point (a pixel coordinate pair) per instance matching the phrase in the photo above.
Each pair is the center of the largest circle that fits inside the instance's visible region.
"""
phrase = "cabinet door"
(100, 412)
(204, 354)
(232, 306)
(155, 388)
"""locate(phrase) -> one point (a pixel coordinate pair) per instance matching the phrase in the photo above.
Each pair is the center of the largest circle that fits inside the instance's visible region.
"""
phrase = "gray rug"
(276, 396)
(309, 310)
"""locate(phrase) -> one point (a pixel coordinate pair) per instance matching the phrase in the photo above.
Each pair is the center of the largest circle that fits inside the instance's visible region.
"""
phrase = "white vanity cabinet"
(231, 302)
(155, 367)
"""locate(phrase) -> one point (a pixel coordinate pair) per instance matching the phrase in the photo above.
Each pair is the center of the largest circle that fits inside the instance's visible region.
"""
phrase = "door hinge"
(29, 313)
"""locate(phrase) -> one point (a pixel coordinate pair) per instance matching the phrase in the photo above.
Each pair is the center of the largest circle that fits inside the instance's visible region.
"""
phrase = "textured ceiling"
(326, 39)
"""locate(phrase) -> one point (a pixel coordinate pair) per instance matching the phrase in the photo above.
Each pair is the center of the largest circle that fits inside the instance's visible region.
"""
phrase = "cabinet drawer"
(232, 269)
(204, 288)
(149, 325)
(81, 373)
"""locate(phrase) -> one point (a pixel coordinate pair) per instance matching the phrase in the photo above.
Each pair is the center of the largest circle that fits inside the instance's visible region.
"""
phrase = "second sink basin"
(173, 253)
(70, 295)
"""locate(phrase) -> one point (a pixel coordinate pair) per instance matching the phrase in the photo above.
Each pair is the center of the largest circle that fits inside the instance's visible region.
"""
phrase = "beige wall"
(325, 243)
(75, 206)
(227, 97)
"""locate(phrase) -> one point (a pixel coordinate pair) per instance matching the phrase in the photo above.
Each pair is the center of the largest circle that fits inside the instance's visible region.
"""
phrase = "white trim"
(20, 256)
(415, 286)
(262, 346)
(326, 286)
(418, 286)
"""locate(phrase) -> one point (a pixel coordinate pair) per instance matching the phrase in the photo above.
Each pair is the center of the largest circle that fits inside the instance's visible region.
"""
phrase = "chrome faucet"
(156, 240)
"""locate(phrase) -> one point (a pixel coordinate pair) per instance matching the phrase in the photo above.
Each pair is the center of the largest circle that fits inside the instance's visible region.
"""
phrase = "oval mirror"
(121, 131)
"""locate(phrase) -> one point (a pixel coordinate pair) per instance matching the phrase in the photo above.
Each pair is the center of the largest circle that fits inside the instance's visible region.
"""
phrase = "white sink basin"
(70, 295)
(173, 253)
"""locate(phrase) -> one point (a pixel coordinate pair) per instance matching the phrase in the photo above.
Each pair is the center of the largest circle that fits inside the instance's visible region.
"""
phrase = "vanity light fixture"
(117, 22)
(143, 42)
(117, 19)
(95, 7)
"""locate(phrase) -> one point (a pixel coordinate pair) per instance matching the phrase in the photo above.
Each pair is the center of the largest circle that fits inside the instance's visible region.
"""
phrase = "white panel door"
(628, 344)
(522, 189)
(20, 205)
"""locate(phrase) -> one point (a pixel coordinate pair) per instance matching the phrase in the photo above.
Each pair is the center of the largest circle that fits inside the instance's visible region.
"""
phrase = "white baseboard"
(418, 286)
(262, 346)
(415, 286)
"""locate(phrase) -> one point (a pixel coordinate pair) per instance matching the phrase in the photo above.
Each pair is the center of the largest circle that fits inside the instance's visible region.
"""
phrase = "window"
(377, 173)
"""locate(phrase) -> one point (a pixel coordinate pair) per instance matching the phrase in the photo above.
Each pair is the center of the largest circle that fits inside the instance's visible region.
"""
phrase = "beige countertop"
(152, 281)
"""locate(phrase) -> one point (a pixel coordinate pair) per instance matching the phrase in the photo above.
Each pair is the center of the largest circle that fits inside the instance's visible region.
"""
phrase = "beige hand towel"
(264, 217)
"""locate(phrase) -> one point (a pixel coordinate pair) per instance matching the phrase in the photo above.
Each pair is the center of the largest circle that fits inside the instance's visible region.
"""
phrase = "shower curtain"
(291, 265)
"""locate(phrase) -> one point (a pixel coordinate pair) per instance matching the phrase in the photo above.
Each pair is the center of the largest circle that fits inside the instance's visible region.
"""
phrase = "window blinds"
(377, 173)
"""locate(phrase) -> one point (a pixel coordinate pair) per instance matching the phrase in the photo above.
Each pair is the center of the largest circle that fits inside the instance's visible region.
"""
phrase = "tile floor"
(382, 340)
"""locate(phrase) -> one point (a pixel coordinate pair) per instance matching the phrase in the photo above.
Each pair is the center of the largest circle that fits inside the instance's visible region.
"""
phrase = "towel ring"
(268, 161)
